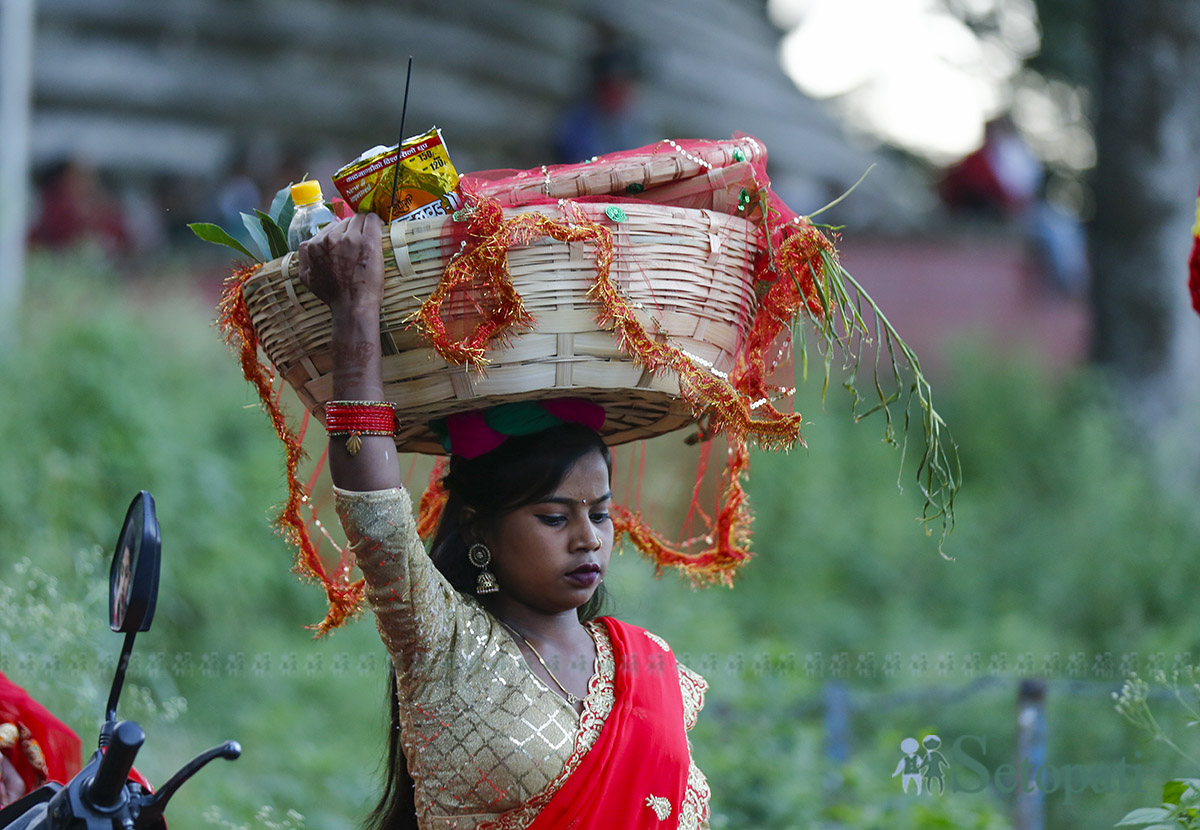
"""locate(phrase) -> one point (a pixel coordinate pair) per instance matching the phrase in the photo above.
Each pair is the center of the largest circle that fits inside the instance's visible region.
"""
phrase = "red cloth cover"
(59, 745)
(642, 751)
(1194, 261)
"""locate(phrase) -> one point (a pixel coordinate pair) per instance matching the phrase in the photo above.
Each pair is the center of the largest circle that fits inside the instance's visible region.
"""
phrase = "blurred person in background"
(73, 207)
(608, 115)
(239, 193)
(1060, 245)
(1003, 180)
(1000, 178)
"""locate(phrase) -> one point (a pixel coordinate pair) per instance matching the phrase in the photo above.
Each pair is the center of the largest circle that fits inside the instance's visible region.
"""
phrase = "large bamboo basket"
(687, 271)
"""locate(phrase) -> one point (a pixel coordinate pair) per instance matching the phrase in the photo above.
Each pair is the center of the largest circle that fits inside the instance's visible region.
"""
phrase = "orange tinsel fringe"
(729, 538)
(344, 597)
(433, 500)
(1194, 261)
(740, 407)
(727, 409)
(793, 287)
(483, 267)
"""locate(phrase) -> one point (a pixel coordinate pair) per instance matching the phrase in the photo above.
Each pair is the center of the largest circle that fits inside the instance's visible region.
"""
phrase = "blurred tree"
(1148, 166)
(1069, 41)
(1138, 63)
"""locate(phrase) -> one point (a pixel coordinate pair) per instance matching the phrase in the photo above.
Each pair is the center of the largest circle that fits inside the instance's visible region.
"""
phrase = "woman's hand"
(343, 264)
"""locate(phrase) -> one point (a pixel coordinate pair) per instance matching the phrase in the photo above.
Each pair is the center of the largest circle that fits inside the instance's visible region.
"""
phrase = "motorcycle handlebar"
(106, 791)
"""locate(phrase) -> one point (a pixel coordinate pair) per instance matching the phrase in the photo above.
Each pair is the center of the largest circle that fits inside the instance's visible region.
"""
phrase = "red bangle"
(359, 418)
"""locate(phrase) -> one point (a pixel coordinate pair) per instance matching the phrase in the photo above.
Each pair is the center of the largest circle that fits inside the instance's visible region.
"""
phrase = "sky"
(912, 74)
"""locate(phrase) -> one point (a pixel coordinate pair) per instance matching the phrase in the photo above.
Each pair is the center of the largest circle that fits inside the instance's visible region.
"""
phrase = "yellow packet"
(427, 185)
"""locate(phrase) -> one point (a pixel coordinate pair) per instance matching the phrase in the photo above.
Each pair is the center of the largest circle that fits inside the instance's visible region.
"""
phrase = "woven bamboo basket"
(687, 272)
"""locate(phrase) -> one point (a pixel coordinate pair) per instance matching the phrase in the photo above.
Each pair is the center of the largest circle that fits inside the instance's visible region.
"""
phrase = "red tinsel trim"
(729, 539)
(344, 597)
(737, 415)
(483, 266)
(433, 500)
(1194, 261)
(708, 393)
(792, 273)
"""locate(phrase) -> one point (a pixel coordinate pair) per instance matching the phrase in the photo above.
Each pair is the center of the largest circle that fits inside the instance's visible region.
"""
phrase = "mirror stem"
(110, 711)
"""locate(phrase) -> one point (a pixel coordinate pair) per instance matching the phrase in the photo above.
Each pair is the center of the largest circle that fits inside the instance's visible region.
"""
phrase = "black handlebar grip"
(106, 790)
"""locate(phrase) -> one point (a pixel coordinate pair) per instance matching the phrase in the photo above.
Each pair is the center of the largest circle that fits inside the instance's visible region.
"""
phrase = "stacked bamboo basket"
(683, 256)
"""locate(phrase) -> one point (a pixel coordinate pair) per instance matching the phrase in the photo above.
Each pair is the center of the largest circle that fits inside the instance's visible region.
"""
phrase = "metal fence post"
(837, 722)
(1029, 809)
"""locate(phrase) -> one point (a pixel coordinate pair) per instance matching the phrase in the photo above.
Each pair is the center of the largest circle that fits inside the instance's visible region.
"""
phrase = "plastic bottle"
(311, 213)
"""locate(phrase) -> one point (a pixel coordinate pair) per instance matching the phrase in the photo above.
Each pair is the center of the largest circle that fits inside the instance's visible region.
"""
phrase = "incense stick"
(400, 142)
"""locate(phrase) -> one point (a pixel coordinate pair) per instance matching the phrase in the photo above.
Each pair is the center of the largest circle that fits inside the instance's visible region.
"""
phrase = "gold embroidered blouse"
(484, 737)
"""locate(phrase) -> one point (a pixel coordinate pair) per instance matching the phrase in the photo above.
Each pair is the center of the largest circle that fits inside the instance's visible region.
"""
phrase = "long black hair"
(523, 470)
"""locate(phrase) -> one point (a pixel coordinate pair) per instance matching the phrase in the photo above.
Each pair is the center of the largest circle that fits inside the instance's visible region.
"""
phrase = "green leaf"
(1173, 791)
(276, 236)
(285, 216)
(279, 200)
(282, 208)
(259, 234)
(219, 236)
(1144, 815)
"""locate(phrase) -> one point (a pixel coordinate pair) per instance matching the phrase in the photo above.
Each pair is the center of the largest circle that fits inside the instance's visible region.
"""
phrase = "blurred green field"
(1070, 562)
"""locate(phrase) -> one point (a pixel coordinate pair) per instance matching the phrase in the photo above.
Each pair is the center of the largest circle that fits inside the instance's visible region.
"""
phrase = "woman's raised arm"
(343, 266)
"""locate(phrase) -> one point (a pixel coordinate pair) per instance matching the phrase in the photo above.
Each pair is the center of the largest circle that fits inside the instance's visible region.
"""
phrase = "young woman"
(514, 706)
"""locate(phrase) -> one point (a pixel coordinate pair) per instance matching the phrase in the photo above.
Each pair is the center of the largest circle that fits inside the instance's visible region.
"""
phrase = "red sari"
(635, 776)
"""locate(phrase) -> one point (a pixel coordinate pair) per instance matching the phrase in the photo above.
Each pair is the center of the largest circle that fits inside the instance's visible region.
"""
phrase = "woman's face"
(550, 556)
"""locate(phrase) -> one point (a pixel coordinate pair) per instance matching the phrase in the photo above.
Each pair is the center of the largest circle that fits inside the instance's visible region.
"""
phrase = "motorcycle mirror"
(133, 577)
(132, 590)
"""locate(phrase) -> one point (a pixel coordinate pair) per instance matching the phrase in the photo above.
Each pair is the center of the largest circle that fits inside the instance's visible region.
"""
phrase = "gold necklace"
(571, 699)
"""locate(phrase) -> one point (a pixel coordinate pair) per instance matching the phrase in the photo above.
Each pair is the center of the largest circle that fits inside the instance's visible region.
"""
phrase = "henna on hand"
(343, 264)
(354, 355)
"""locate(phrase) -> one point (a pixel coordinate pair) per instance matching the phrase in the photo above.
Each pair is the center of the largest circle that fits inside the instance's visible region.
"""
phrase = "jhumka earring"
(481, 557)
